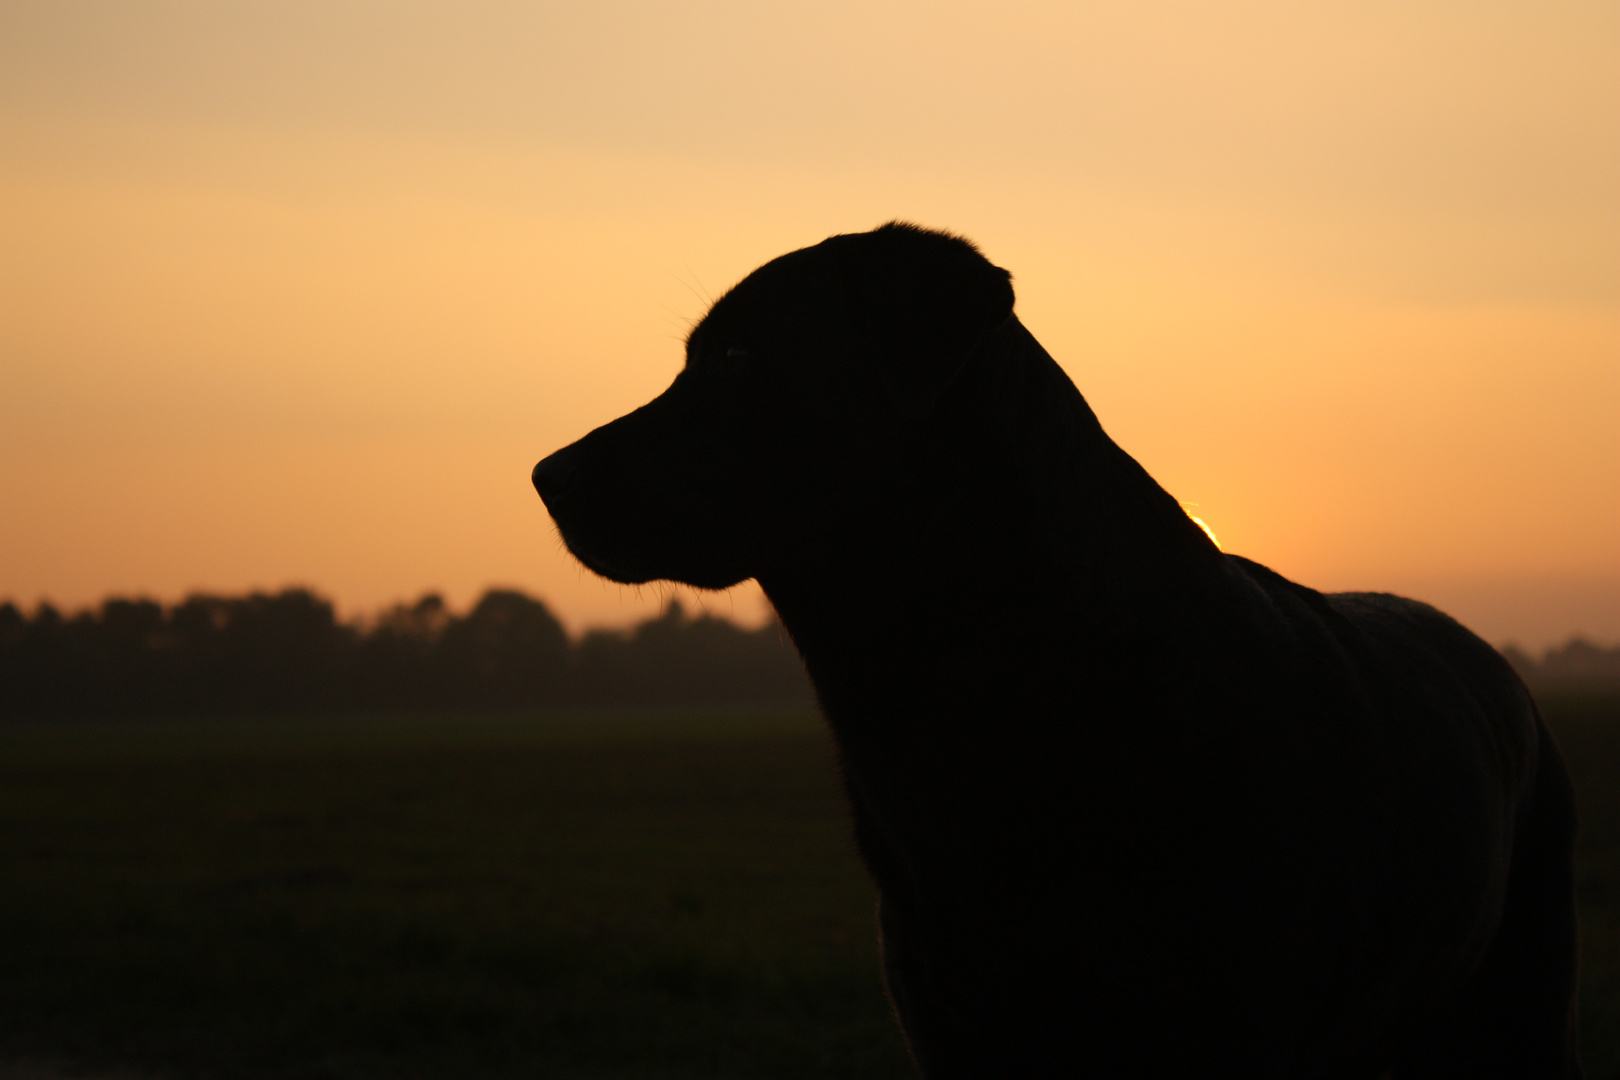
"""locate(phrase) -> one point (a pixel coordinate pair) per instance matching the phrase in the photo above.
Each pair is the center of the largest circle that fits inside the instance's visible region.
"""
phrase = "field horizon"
(1534, 612)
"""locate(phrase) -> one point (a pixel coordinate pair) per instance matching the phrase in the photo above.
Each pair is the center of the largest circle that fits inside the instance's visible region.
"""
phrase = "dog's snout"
(554, 475)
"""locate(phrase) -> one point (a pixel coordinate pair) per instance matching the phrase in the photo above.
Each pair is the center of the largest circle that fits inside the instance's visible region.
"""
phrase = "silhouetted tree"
(1576, 667)
(509, 651)
(122, 660)
(674, 659)
(396, 665)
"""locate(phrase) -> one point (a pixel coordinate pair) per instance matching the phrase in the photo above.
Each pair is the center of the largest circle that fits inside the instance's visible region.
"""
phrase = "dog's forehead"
(794, 295)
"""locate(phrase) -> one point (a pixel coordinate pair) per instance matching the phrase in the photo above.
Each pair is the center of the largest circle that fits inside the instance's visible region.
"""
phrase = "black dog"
(1135, 808)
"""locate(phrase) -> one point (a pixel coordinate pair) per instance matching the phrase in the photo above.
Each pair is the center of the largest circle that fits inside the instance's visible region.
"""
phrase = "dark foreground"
(453, 897)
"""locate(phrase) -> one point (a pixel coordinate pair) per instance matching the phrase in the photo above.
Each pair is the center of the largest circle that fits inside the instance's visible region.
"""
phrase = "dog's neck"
(1106, 527)
(1020, 503)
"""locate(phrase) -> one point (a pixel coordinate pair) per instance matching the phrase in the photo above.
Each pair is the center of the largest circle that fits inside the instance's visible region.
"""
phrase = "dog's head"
(799, 388)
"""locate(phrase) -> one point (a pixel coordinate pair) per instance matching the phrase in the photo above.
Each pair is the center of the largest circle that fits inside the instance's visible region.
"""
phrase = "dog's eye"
(736, 359)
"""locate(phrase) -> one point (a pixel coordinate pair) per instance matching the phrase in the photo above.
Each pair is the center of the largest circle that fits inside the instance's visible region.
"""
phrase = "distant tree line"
(1576, 667)
(288, 651)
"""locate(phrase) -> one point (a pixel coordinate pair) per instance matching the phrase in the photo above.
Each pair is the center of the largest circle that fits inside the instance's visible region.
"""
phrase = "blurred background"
(297, 293)
(293, 295)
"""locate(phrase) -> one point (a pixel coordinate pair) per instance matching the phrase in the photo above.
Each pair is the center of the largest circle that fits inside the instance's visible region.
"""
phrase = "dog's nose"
(553, 475)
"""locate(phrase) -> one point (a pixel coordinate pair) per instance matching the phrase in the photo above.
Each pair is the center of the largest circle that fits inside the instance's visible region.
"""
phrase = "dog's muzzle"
(554, 476)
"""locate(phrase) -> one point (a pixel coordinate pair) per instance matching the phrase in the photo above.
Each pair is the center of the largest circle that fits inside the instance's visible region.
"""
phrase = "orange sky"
(299, 292)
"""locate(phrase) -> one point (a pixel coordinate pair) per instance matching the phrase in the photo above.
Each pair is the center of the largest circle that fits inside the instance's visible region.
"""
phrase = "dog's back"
(1466, 735)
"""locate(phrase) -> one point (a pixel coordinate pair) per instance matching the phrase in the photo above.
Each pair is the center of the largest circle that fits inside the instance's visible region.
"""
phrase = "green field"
(490, 897)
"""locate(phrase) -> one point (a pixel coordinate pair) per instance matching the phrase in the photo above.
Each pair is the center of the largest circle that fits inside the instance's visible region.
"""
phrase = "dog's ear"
(922, 301)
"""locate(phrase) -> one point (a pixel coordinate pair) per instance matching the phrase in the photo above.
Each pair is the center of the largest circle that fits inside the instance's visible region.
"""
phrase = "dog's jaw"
(553, 478)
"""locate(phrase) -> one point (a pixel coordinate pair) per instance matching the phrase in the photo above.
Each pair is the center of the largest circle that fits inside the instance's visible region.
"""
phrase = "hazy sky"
(299, 292)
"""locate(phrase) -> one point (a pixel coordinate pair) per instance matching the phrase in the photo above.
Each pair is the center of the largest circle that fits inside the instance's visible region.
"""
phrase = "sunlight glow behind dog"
(1344, 271)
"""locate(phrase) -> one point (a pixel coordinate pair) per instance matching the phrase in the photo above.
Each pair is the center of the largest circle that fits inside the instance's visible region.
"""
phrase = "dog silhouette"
(1134, 807)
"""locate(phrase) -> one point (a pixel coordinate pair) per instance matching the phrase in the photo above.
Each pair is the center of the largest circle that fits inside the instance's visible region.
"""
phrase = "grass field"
(1588, 730)
(485, 897)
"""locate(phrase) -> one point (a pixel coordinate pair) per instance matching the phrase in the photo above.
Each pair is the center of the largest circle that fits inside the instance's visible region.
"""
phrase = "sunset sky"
(298, 292)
